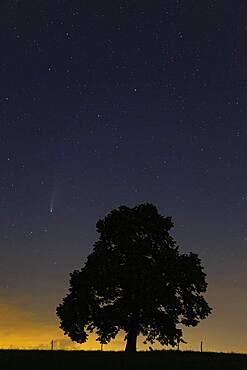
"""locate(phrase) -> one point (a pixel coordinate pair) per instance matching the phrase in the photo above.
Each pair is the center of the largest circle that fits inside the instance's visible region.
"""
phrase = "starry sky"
(104, 103)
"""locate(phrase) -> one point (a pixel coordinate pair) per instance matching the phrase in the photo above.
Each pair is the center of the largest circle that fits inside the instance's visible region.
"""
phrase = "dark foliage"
(135, 280)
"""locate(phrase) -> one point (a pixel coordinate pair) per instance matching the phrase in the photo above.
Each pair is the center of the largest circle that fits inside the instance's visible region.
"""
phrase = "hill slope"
(83, 360)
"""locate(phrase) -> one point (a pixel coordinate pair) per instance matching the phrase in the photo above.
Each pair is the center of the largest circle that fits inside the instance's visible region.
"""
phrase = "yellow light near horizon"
(24, 330)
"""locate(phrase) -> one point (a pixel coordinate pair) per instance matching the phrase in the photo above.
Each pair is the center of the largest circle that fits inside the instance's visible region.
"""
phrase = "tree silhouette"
(135, 280)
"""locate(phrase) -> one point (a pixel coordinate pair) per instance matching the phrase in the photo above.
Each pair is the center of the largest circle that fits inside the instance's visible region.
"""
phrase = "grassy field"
(157, 360)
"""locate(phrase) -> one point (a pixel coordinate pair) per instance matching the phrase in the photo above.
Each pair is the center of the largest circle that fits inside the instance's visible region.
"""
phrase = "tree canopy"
(135, 280)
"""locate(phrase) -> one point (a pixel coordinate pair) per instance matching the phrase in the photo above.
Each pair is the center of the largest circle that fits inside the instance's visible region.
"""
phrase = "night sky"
(105, 103)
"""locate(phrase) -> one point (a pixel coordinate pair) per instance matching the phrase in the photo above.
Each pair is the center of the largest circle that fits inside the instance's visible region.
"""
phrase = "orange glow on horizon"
(23, 330)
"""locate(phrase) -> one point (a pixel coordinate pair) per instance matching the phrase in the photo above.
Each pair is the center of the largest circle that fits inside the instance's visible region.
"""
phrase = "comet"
(51, 209)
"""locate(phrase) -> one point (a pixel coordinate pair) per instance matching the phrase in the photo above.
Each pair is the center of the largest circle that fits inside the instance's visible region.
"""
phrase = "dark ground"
(90, 360)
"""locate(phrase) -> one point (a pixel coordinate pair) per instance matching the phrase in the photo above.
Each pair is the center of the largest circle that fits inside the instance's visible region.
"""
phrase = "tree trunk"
(131, 342)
